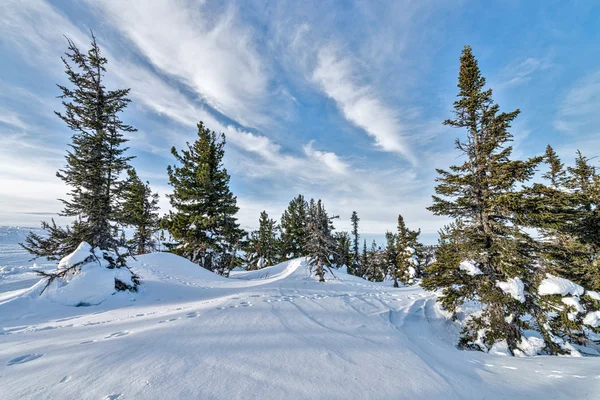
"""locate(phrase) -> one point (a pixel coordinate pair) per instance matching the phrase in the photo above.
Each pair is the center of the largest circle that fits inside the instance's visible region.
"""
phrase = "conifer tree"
(293, 229)
(375, 267)
(320, 244)
(140, 206)
(343, 254)
(406, 243)
(355, 267)
(95, 161)
(203, 221)
(364, 260)
(391, 257)
(481, 194)
(262, 249)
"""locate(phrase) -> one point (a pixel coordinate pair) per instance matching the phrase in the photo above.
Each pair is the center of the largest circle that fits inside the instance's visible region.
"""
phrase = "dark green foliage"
(262, 248)
(354, 268)
(407, 241)
(343, 254)
(140, 206)
(94, 162)
(294, 229)
(566, 213)
(375, 265)
(482, 194)
(203, 222)
(321, 247)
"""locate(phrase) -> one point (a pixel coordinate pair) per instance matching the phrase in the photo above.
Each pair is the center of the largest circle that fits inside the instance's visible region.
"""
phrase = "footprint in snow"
(65, 379)
(192, 315)
(88, 342)
(117, 334)
(168, 320)
(116, 396)
(24, 359)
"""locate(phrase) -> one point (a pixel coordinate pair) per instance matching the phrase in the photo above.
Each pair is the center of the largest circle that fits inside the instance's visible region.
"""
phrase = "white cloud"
(359, 103)
(214, 55)
(578, 113)
(520, 72)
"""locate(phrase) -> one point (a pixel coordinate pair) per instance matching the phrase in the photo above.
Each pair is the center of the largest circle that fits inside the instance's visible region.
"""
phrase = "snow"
(270, 334)
(470, 268)
(531, 345)
(592, 319)
(593, 295)
(80, 255)
(575, 304)
(513, 287)
(556, 285)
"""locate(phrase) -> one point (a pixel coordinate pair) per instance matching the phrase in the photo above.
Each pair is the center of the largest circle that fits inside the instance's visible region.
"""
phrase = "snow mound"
(176, 266)
(80, 255)
(470, 268)
(88, 277)
(513, 287)
(91, 286)
(555, 285)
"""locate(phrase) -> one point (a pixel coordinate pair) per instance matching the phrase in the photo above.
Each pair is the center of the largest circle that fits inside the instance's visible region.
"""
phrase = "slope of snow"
(269, 334)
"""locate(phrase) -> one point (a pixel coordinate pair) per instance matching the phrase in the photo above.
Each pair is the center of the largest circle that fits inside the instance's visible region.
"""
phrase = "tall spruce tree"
(343, 253)
(140, 206)
(375, 266)
(95, 162)
(320, 245)
(294, 229)
(262, 249)
(203, 221)
(355, 267)
(391, 257)
(407, 242)
(481, 194)
(364, 259)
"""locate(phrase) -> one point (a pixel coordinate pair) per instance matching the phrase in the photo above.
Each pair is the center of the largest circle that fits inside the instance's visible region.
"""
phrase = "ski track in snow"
(269, 334)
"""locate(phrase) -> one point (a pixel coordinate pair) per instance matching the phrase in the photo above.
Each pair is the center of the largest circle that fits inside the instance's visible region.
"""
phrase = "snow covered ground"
(269, 334)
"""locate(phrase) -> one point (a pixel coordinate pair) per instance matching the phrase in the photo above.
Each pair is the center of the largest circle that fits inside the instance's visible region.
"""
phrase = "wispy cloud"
(579, 111)
(212, 53)
(359, 102)
(520, 72)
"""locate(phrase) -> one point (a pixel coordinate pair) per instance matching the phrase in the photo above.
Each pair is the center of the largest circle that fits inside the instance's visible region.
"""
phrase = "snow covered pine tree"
(262, 249)
(320, 244)
(93, 171)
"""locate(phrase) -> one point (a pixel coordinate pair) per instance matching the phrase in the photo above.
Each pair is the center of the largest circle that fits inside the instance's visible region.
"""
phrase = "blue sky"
(341, 100)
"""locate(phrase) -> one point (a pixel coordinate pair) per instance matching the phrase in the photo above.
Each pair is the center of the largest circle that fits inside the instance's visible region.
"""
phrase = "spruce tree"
(343, 255)
(95, 161)
(391, 257)
(355, 267)
(375, 266)
(364, 259)
(294, 229)
(481, 194)
(320, 244)
(262, 249)
(203, 222)
(407, 242)
(140, 206)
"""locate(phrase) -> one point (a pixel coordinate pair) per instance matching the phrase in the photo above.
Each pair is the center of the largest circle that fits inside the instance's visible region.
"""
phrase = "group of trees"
(487, 254)
(495, 208)
(307, 230)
